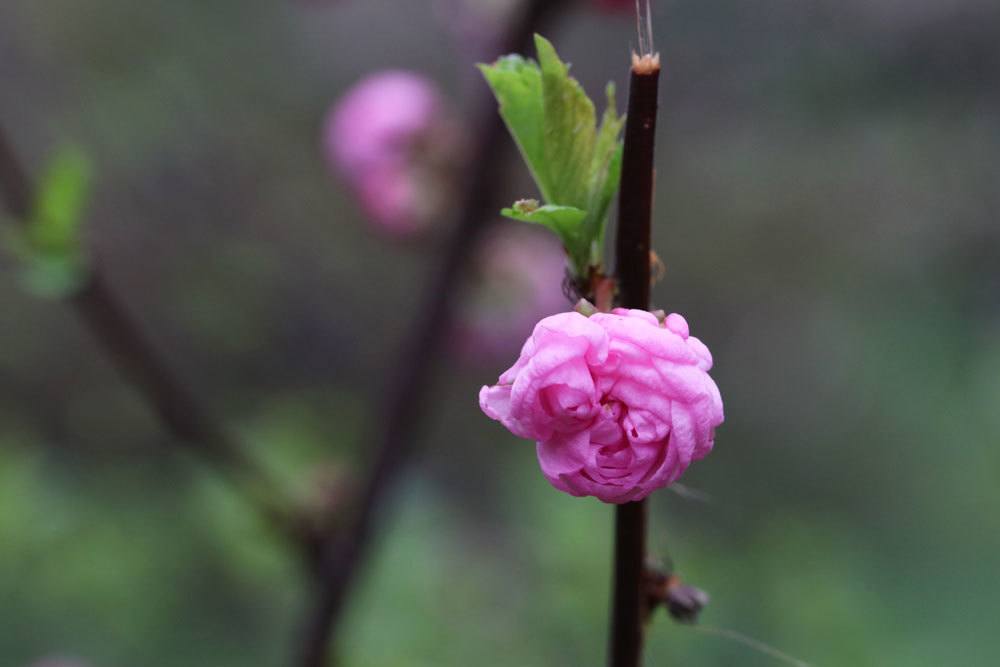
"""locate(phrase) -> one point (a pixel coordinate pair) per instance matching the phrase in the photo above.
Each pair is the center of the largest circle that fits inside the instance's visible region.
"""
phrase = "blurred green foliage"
(50, 244)
(826, 209)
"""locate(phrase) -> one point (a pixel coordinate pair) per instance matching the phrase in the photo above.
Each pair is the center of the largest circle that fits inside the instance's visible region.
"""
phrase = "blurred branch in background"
(399, 413)
(334, 552)
(120, 335)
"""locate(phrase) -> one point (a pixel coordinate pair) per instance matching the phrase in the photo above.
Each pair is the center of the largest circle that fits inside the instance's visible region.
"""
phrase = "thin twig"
(398, 416)
(120, 335)
(632, 267)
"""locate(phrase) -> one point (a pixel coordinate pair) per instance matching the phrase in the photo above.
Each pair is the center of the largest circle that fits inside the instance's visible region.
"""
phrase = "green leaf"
(569, 123)
(605, 169)
(50, 244)
(517, 85)
(576, 164)
(52, 278)
(564, 221)
(62, 196)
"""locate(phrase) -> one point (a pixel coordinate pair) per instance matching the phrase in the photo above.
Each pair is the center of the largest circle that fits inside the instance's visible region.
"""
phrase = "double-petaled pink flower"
(618, 403)
(389, 139)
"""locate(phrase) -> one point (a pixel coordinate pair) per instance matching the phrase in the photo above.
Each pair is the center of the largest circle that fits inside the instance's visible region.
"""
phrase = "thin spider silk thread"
(754, 644)
(689, 493)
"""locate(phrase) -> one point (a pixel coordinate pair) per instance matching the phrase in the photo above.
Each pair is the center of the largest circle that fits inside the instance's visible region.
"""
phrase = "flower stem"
(635, 203)
(632, 265)
(630, 553)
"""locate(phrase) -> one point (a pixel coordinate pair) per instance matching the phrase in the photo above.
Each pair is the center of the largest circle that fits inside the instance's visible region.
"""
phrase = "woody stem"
(632, 255)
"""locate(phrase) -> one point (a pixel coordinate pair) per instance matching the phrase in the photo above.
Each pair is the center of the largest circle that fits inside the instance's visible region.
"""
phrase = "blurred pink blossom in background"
(619, 404)
(390, 139)
(517, 279)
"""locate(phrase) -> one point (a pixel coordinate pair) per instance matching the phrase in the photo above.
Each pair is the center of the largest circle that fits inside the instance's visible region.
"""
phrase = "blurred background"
(827, 211)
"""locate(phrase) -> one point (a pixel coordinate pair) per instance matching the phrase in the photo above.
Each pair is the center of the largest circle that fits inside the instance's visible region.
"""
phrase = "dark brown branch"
(625, 649)
(120, 335)
(635, 202)
(632, 266)
(398, 416)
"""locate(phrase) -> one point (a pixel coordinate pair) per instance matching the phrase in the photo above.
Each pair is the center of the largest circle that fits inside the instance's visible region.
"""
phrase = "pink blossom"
(381, 137)
(517, 279)
(618, 403)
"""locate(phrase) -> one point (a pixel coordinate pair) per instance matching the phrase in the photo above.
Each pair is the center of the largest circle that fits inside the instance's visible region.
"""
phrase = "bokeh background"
(827, 210)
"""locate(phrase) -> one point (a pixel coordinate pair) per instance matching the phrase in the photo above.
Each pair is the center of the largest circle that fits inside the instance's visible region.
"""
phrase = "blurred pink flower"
(517, 280)
(388, 137)
(618, 403)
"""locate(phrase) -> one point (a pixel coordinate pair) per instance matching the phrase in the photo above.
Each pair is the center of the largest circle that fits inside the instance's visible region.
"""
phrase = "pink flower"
(382, 137)
(517, 279)
(618, 404)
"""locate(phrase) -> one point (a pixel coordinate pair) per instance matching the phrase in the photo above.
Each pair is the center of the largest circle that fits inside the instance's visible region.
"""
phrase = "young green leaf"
(569, 124)
(50, 246)
(62, 195)
(575, 163)
(565, 222)
(517, 84)
(605, 169)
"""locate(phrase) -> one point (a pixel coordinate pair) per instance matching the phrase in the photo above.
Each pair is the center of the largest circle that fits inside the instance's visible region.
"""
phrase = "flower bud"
(585, 308)
(684, 603)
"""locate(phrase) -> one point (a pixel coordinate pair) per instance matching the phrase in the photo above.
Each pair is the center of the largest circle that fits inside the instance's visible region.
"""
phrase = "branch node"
(683, 602)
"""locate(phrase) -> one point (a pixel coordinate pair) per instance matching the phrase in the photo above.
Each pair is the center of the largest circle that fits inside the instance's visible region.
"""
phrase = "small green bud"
(526, 206)
(585, 308)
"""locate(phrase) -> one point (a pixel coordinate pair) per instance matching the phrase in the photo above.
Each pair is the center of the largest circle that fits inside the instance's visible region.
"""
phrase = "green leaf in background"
(576, 164)
(50, 244)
